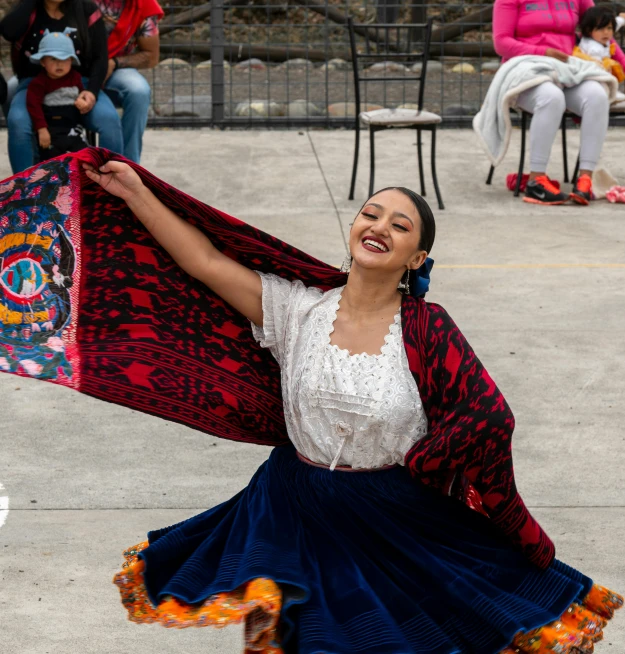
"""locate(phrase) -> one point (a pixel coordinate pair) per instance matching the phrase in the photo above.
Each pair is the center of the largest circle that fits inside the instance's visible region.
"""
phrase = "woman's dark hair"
(597, 18)
(428, 224)
(74, 11)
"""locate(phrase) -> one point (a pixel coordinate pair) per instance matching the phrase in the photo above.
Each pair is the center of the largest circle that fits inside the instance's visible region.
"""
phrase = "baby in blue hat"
(52, 97)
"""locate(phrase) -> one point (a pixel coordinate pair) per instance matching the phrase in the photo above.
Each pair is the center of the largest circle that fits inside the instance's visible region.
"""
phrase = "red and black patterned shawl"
(147, 336)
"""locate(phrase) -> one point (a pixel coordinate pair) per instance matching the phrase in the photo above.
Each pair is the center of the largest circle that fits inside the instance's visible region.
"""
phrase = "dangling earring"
(347, 264)
(404, 284)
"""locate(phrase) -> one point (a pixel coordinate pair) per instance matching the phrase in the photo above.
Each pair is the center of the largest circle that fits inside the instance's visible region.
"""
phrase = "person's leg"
(104, 120)
(20, 131)
(12, 85)
(131, 91)
(546, 104)
(589, 100)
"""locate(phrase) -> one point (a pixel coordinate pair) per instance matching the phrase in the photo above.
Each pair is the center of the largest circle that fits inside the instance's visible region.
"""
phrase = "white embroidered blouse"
(359, 410)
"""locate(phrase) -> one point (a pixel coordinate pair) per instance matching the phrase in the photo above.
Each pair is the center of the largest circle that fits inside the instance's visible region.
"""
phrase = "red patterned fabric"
(149, 337)
(133, 15)
(470, 427)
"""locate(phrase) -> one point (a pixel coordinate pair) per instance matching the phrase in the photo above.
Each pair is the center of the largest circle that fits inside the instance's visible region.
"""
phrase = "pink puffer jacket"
(525, 27)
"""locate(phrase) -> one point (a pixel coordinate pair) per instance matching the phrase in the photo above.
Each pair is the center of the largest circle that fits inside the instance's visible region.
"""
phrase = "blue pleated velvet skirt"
(369, 562)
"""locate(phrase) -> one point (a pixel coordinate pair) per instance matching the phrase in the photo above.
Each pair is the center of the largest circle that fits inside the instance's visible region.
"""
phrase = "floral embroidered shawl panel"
(89, 300)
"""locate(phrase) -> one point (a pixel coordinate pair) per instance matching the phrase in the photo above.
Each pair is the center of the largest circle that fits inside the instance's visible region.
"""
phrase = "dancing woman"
(343, 541)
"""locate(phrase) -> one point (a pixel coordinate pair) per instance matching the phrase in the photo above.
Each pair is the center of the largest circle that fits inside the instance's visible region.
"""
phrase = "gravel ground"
(444, 88)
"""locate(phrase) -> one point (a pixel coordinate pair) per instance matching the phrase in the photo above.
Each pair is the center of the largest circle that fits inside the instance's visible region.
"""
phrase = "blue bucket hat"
(57, 45)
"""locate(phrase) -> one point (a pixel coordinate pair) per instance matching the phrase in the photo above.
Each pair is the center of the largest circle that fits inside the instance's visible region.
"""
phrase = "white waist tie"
(346, 431)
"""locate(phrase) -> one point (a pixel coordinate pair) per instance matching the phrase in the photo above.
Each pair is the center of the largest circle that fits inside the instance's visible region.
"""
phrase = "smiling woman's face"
(386, 234)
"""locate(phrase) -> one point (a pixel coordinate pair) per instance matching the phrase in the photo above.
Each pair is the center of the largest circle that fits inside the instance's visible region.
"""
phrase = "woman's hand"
(556, 54)
(116, 178)
(85, 102)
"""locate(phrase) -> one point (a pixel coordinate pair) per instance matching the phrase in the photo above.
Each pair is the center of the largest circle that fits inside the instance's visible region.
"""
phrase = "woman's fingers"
(114, 167)
(115, 177)
(92, 175)
(98, 176)
(109, 167)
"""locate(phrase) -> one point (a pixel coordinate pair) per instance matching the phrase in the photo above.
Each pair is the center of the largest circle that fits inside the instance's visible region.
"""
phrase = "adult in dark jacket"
(24, 27)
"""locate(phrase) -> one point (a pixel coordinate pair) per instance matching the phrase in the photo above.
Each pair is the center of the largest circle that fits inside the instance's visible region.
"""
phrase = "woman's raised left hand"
(117, 178)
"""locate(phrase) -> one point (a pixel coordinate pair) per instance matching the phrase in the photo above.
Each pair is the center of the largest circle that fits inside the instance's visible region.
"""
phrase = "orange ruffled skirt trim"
(258, 604)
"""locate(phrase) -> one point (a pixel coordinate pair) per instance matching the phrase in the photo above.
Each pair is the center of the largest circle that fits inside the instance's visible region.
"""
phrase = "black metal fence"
(286, 62)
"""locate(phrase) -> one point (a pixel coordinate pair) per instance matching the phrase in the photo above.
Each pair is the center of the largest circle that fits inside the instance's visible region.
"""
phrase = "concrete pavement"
(539, 292)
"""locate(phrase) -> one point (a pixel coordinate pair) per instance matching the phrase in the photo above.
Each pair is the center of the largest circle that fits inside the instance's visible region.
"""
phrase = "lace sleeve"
(281, 299)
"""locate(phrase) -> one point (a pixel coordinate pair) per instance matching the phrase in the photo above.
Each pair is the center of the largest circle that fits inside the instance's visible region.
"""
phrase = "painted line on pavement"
(529, 265)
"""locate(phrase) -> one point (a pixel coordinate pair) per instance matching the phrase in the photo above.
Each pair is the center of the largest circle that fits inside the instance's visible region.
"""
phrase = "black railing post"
(217, 61)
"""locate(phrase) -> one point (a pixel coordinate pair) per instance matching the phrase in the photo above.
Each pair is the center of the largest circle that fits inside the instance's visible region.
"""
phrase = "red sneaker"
(543, 191)
(582, 191)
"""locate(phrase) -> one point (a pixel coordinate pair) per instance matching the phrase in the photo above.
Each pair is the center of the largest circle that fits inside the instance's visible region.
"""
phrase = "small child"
(598, 26)
(52, 97)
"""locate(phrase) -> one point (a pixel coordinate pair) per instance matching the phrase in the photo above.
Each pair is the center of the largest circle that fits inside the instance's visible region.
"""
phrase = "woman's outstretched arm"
(190, 248)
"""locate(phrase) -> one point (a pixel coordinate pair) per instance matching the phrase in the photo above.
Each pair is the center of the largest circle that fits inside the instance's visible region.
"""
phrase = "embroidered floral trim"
(259, 603)
(577, 631)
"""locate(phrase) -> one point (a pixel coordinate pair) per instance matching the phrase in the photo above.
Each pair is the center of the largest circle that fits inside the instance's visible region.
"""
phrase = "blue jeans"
(128, 89)
(103, 118)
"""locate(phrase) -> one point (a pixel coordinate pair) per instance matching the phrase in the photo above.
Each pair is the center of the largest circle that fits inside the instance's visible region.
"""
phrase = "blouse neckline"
(345, 353)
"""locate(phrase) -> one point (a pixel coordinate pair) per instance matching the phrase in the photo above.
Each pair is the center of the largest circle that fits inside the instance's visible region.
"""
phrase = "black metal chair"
(524, 123)
(398, 44)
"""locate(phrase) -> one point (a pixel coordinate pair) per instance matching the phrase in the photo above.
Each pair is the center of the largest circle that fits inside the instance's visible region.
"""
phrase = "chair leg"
(371, 161)
(519, 176)
(355, 166)
(575, 172)
(441, 206)
(491, 172)
(565, 156)
(420, 159)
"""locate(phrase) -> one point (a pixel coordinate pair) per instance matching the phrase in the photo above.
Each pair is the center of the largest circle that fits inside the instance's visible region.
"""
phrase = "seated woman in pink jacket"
(547, 28)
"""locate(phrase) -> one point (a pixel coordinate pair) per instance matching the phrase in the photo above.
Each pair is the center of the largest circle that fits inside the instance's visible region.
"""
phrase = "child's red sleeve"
(76, 80)
(34, 102)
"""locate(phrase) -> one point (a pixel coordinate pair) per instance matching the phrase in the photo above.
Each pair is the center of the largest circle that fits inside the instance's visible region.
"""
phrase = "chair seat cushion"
(399, 117)
(618, 107)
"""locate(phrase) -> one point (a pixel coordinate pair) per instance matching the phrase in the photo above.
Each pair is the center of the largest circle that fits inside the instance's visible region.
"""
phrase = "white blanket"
(492, 124)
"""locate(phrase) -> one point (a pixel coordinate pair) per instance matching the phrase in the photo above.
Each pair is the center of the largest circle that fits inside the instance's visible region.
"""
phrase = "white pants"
(547, 102)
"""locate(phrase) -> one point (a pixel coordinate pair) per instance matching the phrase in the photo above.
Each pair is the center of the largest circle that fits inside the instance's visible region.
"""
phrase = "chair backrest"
(405, 43)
